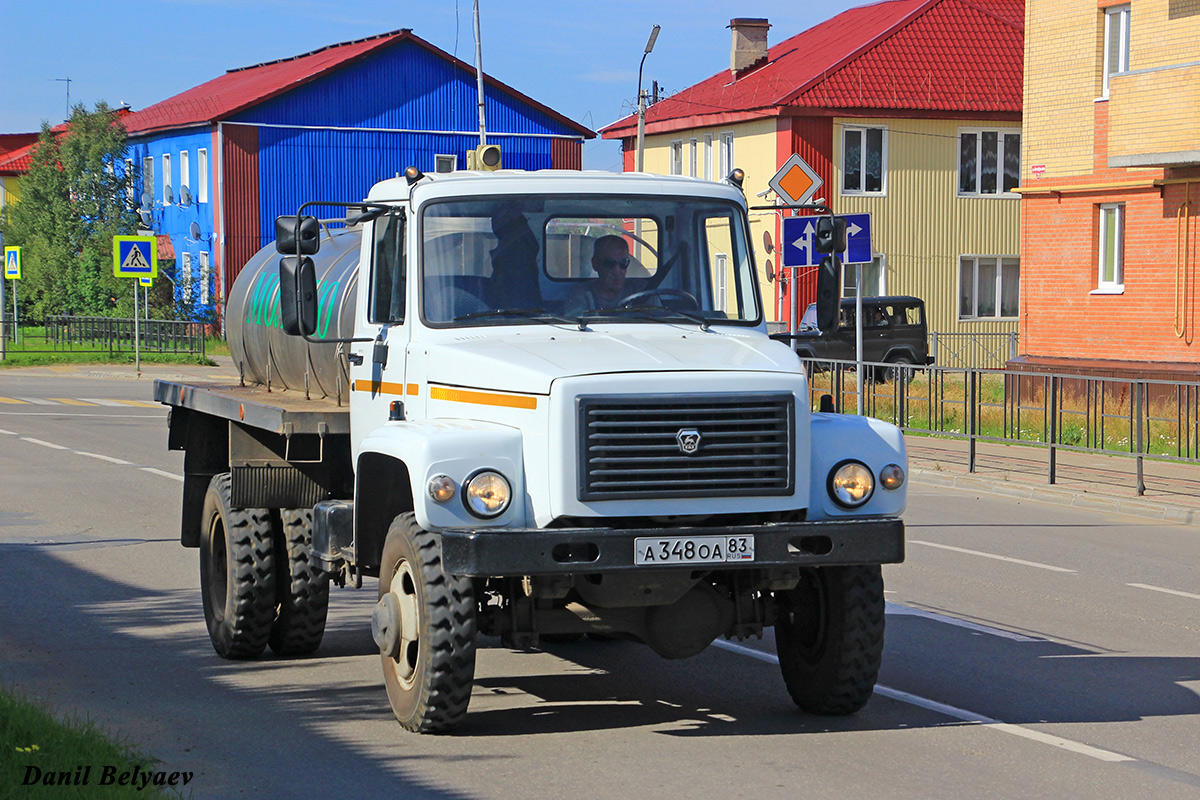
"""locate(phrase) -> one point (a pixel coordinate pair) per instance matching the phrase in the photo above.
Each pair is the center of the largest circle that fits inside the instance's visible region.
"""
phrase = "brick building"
(1111, 187)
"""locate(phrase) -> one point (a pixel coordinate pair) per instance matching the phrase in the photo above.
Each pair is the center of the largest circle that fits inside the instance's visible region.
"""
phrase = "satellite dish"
(194, 231)
(167, 196)
(144, 213)
(770, 272)
(185, 197)
(147, 200)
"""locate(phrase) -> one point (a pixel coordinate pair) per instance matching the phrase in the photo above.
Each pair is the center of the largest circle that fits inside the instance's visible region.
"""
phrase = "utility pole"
(68, 82)
(479, 77)
(641, 126)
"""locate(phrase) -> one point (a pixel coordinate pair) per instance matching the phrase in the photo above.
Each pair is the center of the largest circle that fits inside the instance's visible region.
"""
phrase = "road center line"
(170, 475)
(958, 713)
(51, 445)
(1164, 591)
(991, 555)
(85, 454)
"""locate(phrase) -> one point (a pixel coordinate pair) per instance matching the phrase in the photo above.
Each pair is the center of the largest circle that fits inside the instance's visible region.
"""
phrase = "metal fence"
(973, 350)
(1130, 417)
(64, 334)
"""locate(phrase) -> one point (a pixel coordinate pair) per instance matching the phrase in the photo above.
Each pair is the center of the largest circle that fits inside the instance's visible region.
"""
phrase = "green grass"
(34, 350)
(32, 737)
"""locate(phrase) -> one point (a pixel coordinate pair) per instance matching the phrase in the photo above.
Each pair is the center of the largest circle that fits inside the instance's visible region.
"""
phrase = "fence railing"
(973, 350)
(1137, 418)
(109, 335)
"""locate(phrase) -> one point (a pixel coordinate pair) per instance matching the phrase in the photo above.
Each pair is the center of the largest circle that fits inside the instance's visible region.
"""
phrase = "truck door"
(377, 367)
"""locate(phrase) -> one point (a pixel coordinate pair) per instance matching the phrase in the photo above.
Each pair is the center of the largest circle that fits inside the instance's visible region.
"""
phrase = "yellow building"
(909, 110)
(15, 149)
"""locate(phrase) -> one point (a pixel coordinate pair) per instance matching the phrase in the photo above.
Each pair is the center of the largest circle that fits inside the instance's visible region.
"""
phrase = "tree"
(74, 199)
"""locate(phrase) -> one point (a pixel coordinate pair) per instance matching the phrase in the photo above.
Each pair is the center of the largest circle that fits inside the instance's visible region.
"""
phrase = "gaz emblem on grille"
(689, 440)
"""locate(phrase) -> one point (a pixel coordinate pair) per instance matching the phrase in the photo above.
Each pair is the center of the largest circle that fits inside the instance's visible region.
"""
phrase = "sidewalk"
(1083, 480)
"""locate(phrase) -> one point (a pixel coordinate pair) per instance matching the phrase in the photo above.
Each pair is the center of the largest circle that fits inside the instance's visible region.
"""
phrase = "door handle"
(355, 358)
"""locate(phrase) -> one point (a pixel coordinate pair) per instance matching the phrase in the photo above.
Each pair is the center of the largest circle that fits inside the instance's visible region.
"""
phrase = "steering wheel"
(661, 294)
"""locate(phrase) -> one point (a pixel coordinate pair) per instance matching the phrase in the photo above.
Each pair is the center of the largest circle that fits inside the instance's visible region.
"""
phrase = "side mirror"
(298, 295)
(829, 294)
(831, 235)
(289, 230)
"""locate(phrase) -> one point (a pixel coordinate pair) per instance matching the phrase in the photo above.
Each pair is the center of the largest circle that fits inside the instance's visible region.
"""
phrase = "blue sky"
(579, 58)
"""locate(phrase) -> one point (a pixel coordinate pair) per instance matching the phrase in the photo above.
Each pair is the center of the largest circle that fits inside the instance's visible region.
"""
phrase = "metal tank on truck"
(262, 352)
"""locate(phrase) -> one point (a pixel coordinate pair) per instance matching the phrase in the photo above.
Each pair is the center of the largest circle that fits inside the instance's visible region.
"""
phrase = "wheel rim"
(404, 588)
(218, 573)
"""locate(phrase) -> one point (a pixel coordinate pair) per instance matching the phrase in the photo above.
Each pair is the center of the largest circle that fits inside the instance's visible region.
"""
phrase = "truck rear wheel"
(237, 573)
(829, 636)
(424, 625)
(302, 588)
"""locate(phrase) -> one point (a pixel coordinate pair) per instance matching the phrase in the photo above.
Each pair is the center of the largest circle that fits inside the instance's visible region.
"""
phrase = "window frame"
(999, 260)
(202, 175)
(1002, 138)
(184, 170)
(708, 156)
(1121, 15)
(883, 161)
(1117, 284)
(167, 197)
(693, 151)
(724, 154)
(878, 262)
(675, 157)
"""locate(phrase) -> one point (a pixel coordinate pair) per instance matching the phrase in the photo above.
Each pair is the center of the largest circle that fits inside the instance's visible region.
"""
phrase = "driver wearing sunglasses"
(610, 260)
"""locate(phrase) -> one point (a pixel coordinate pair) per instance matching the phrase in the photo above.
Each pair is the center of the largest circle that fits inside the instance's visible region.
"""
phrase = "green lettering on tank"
(264, 306)
(326, 298)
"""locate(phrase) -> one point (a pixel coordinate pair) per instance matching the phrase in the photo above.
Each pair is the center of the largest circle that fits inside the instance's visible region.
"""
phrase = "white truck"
(424, 401)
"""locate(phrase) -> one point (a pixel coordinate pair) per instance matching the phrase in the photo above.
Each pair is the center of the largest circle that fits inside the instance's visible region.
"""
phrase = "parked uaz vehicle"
(894, 332)
(445, 391)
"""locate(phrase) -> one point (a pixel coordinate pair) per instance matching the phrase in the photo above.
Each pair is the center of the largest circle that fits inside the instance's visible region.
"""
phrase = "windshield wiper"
(654, 313)
(536, 314)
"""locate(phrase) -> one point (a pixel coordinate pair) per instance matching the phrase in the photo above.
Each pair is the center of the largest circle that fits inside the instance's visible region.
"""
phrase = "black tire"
(237, 573)
(900, 371)
(829, 636)
(429, 670)
(302, 589)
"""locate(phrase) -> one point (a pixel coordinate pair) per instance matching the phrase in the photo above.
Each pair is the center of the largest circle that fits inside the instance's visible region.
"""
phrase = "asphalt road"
(1032, 651)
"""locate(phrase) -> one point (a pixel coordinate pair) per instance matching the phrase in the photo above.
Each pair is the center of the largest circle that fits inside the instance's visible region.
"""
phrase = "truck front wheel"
(424, 624)
(829, 636)
(237, 573)
(303, 589)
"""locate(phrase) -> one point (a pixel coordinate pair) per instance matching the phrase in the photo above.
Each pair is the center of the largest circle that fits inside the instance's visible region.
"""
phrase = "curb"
(1057, 496)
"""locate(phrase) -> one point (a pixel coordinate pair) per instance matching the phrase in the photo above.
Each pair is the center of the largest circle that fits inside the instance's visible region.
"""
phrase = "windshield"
(525, 259)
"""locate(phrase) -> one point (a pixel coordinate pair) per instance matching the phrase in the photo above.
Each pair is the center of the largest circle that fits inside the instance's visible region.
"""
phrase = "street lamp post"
(641, 130)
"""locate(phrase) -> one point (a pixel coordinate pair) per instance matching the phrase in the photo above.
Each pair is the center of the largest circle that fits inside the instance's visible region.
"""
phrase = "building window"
(708, 157)
(677, 157)
(202, 176)
(148, 179)
(989, 163)
(185, 277)
(445, 163)
(1112, 248)
(166, 179)
(185, 176)
(864, 160)
(205, 278)
(129, 177)
(989, 287)
(692, 148)
(726, 155)
(874, 278)
(1116, 43)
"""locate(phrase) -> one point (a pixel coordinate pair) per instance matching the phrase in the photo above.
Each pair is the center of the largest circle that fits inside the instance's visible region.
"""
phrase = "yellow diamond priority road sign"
(796, 182)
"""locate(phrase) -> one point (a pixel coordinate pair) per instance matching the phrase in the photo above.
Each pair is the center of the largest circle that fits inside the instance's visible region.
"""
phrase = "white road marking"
(1164, 591)
(38, 401)
(909, 611)
(74, 414)
(957, 713)
(992, 555)
(170, 475)
(100, 402)
(9, 433)
(109, 459)
(51, 445)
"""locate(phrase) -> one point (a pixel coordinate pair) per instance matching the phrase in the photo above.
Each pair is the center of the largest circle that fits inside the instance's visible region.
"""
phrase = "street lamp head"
(653, 37)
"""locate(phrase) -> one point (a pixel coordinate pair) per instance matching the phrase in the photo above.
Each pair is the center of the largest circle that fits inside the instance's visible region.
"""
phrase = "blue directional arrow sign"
(798, 235)
(858, 239)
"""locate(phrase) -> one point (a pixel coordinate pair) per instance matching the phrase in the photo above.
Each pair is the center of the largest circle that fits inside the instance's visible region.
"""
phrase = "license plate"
(693, 549)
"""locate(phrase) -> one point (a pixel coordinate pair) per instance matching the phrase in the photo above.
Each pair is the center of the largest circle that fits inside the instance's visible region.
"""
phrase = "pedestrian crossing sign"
(12, 263)
(135, 257)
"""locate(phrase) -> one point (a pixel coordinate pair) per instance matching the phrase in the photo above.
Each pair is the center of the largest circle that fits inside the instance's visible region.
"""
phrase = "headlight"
(892, 476)
(442, 488)
(486, 494)
(851, 484)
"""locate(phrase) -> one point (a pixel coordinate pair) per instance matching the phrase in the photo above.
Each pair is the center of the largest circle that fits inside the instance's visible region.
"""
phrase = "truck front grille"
(718, 445)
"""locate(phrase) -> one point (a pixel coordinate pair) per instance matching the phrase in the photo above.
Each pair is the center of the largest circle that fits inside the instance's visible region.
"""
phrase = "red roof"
(239, 89)
(922, 55)
(17, 161)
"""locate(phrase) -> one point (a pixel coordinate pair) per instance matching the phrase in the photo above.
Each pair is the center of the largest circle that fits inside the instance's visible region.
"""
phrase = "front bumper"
(495, 552)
